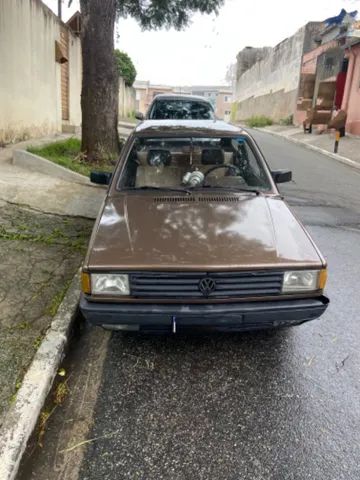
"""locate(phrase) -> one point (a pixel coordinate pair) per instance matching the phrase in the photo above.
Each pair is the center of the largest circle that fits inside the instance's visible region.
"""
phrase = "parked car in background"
(178, 107)
(195, 234)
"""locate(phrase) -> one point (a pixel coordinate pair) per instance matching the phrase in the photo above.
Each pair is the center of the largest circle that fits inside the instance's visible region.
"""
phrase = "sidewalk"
(349, 146)
(45, 193)
(45, 224)
(39, 255)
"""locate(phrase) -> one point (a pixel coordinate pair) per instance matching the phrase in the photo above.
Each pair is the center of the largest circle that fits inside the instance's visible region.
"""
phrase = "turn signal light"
(85, 283)
(322, 279)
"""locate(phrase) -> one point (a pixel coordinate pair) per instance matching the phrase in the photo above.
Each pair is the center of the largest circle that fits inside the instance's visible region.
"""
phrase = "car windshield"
(181, 110)
(194, 163)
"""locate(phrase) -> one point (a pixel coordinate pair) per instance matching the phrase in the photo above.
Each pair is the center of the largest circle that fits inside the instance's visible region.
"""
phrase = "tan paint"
(30, 78)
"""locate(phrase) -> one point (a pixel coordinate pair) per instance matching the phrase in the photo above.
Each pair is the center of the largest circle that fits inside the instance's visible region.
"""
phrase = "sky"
(200, 54)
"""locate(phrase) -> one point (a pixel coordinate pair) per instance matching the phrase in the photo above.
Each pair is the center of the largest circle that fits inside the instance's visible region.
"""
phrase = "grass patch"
(56, 237)
(67, 153)
(259, 121)
(287, 120)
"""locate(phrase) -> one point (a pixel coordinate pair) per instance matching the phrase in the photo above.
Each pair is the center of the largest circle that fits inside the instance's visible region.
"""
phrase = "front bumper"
(224, 317)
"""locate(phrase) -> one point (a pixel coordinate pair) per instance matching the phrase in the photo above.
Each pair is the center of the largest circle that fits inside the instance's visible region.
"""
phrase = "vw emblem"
(207, 285)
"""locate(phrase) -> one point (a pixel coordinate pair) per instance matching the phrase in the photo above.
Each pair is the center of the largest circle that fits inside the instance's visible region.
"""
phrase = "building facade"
(351, 98)
(329, 80)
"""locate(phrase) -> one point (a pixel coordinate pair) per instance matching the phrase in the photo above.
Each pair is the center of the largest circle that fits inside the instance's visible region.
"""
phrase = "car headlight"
(304, 281)
(109, 284)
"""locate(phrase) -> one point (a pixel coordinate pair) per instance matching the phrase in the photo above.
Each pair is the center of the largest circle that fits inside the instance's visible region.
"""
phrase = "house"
(145, 93)
(351, 96)
(324, 72)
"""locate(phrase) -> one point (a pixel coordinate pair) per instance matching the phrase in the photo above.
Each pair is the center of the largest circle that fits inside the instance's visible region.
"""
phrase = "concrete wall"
(30, 78)
(269, 87)
(127, 100)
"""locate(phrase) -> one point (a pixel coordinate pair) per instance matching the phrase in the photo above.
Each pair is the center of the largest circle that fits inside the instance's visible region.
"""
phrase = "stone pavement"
(39, 254)
(349, 146)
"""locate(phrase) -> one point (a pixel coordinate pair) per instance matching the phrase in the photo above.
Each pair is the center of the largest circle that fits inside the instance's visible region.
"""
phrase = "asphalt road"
(263, 406)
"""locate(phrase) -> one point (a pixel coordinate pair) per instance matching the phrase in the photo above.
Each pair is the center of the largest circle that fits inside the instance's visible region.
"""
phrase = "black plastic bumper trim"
(233, 316)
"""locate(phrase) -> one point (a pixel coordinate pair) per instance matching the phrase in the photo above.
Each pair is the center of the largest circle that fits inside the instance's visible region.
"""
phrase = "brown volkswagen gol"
(194, 233)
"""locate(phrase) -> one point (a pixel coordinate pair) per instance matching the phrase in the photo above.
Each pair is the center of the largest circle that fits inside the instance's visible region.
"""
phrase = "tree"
(125, 67)
(100, 87)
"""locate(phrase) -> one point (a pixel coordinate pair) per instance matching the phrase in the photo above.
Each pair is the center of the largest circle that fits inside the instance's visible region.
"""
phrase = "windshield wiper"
(233, 189)
(164, 189)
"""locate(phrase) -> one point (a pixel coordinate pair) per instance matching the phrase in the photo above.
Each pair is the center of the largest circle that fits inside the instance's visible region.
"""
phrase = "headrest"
(212, 156)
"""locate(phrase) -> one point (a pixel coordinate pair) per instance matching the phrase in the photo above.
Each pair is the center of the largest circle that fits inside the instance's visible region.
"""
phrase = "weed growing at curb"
(57, 299)
(17, 386)
(58, 398)
(38, 340)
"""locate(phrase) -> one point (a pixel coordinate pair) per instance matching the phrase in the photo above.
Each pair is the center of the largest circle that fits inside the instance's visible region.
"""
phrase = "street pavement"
(257, 406)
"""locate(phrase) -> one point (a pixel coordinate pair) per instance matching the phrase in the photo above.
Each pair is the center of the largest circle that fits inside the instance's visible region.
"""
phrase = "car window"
(194, 163)
(181, 110)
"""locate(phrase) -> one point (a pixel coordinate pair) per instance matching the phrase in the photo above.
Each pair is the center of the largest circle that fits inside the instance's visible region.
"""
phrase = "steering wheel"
(216, 167)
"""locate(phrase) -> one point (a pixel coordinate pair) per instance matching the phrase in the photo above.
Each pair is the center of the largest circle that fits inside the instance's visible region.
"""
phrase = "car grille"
(191, 285)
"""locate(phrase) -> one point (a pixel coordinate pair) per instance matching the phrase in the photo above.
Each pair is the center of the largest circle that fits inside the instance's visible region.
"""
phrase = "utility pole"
(60, 9)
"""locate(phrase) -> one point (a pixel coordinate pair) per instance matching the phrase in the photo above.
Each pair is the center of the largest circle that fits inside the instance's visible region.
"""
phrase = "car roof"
(179, 96)
(187, 128)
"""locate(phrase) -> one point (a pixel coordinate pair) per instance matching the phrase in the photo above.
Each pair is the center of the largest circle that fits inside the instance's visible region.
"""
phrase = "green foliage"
(287, 120)
(258, 121)
(67, 153)
(155, 14)
(125, 67)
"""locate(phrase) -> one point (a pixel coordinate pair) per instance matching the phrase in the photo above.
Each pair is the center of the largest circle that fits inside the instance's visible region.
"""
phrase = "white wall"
(277, 73)
(30, 78)
(127, 100)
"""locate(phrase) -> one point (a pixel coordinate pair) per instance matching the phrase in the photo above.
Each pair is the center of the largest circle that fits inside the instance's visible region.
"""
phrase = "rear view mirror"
(139, 116)
(101, 178)
(281, 176)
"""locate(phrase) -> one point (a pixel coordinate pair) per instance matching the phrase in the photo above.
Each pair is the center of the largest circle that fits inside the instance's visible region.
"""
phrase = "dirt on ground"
(39, 254)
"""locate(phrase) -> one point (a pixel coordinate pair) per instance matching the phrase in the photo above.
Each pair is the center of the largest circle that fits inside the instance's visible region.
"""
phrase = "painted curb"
(335, 156)
(34, 163)
(22, 416)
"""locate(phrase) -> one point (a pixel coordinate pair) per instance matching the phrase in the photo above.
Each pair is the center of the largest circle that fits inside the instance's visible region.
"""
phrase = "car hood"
(198, 232)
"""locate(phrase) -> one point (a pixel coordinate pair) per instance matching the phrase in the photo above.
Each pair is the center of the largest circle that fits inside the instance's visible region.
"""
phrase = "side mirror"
(281, 176)
(101, 178)
(139, 116)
